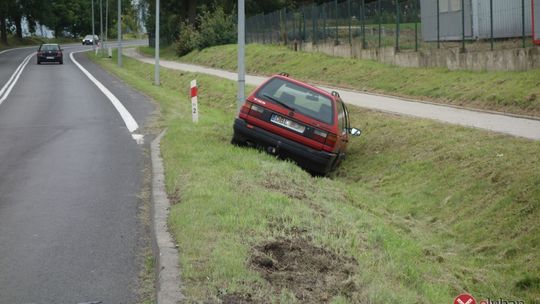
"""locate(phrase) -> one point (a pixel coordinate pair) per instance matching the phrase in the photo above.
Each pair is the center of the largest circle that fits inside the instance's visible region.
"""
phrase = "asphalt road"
(70, 180)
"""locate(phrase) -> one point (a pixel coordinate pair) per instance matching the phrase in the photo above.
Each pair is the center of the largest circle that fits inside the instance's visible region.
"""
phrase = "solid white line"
(13, 79)
(19, 48)
(12, 76)
(130, 122)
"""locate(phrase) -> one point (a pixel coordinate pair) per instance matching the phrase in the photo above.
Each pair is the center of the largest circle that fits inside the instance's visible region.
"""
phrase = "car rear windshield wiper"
(279, 102)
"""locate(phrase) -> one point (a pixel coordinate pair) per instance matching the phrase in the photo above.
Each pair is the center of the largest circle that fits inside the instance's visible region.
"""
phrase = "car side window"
(347, 120)
(342, 123)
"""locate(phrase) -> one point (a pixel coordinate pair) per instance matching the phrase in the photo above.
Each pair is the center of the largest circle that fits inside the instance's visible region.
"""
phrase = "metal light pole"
(106, 21)
(119, 33)
(241, 53)
(93, 31)
(156, 47)
(100, 22)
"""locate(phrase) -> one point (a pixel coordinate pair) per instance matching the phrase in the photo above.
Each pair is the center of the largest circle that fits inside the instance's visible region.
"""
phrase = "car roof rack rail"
(284, 74)
(334, 93)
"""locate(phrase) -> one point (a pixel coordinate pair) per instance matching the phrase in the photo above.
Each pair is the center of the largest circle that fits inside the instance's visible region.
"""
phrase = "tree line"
(66, 18)
(72, 18)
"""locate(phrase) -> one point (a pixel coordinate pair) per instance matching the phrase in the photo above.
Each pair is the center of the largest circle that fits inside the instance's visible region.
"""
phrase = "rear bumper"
(44, 59)
(315, 161)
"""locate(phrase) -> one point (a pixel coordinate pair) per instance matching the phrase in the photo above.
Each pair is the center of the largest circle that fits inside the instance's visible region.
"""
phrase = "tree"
(3, 23)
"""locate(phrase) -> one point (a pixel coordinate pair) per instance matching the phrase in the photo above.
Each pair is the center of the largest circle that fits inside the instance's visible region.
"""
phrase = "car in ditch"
(297, 121)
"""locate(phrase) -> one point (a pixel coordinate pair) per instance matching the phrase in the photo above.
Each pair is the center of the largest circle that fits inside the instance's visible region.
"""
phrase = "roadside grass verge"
(512, 92)
(29, 41)
(418, 213)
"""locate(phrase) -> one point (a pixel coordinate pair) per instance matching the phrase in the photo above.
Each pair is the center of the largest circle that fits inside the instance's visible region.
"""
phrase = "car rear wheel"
(238, 140)
(38, 62)
(61, 62)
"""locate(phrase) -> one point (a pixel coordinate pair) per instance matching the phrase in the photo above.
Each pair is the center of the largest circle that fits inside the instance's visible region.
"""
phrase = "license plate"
(49, 58)
(287, 123)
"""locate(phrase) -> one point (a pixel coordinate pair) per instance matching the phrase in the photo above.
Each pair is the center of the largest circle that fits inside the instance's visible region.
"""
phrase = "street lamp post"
(119, 33)
(156, 47)
(105, 38)
(100, 21)
(93, 31)
(241, 53)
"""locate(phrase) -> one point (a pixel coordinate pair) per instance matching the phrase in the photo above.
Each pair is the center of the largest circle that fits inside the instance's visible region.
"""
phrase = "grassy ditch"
(513, 92)
(418, 213)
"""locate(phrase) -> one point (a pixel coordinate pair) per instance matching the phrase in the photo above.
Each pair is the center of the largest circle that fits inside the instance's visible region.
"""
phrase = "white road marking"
(20, 48)
(130, 122)
(6, 89)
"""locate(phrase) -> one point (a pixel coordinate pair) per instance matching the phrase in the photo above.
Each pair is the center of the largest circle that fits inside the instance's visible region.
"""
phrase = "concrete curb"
(168, 271)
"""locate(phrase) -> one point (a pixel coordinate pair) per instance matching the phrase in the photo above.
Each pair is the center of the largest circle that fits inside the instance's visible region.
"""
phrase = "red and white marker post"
(194, 100)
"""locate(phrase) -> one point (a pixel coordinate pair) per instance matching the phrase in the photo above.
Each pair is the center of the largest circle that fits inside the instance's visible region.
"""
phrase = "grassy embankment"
(513, 92)
(29, 41)
(419, 212)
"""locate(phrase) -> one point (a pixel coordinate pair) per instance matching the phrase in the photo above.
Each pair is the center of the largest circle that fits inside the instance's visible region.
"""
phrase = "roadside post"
(119, 21)
(156, 47)
(194, 102)
(241, 54)
(100, 43)
(93, 29)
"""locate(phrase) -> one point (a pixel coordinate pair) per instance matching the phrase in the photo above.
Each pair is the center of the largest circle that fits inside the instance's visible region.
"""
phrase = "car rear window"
(299, 98)
(50, 47)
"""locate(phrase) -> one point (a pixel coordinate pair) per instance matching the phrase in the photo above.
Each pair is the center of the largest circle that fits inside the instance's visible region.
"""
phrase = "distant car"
(50, 52)
(88, 40)
(298, 121)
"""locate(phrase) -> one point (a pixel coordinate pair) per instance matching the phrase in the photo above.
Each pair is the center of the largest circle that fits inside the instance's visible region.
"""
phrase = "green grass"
(29, 41)
(427, 210)
(513, 92)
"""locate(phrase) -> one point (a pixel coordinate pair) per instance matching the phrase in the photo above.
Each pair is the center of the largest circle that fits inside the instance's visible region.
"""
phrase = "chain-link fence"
(402, 24)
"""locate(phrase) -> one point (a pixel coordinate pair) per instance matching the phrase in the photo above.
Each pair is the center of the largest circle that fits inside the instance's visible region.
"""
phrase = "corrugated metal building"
(507, 19)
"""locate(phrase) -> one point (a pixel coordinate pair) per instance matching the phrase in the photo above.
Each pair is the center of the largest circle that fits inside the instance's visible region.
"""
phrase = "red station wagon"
(297, 121)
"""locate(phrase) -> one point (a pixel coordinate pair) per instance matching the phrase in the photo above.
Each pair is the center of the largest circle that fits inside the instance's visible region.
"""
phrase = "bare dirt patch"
(311, 273)
(236, 299)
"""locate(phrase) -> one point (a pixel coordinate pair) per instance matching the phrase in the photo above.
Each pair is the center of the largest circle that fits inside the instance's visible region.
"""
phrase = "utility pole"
(93, 32)
(119, 33)
(101, 23)
(156, 47)
(241, 53)
(106, 21)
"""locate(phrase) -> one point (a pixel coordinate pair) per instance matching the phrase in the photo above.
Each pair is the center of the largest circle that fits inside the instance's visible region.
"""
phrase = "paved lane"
(70, 176)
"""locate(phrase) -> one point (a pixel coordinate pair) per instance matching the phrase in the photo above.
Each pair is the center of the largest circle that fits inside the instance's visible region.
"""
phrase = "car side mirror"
(355, 132)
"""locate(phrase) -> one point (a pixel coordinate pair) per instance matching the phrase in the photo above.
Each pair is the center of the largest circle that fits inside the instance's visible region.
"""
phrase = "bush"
(216, 28)
(187, 41)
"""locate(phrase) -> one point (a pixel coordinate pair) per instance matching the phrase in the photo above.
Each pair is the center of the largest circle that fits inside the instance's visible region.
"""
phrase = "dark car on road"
(297, 121)
(88, 40)
(50, 52)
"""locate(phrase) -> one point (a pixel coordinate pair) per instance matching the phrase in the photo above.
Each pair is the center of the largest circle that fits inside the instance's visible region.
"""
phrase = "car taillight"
(320, 136)
(245, 108)
(331, 139)
(39, 53)
(256, 111)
